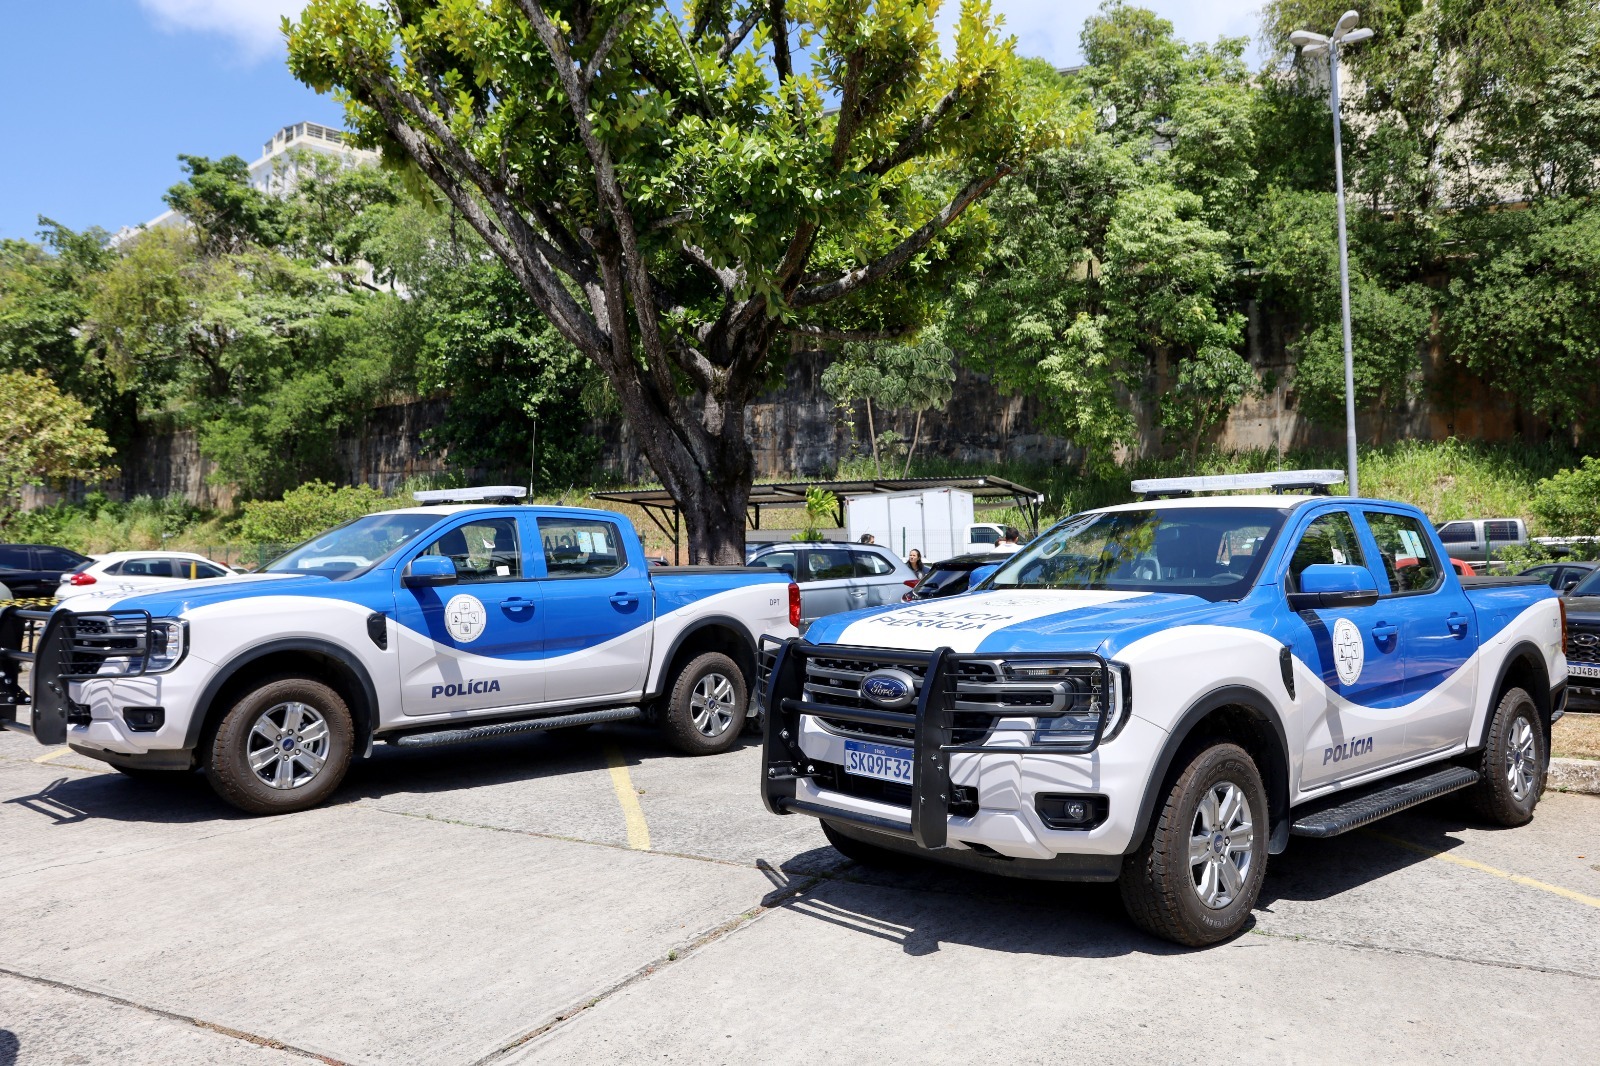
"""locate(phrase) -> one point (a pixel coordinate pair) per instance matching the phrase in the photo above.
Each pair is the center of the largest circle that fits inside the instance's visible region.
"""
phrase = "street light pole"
(1310, 44)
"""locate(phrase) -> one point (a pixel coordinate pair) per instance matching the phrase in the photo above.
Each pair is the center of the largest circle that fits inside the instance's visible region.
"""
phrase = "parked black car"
(950, 577)
(31, 570)
(1560, 576)
(1583, 644)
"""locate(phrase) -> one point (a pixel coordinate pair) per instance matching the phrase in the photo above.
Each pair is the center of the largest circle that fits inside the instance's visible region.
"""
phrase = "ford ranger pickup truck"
(423, 626)
(1162, 693)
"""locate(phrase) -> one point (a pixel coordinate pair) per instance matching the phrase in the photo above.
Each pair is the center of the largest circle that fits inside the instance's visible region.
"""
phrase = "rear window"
(1501, 531)
(871, 564)
(945, 582)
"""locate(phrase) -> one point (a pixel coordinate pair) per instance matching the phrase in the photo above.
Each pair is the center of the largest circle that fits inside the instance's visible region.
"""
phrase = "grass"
(1576, 736)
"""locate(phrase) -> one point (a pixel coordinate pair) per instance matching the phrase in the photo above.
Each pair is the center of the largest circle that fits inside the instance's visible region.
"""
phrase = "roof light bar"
(1316, 481)
(481, 494)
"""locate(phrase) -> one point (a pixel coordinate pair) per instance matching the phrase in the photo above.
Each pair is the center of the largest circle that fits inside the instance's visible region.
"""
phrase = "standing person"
(867, 538)
(914, 561)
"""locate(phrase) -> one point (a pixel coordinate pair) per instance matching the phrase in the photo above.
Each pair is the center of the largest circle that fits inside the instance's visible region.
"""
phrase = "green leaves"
(45, 435)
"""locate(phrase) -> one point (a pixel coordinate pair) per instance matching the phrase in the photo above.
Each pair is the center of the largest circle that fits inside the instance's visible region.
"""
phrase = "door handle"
(516, 603)
(1385, 631)
(624, 599)
(1458, 624)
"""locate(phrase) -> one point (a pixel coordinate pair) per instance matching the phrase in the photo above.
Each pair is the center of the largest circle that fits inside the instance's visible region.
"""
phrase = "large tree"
(675, 193)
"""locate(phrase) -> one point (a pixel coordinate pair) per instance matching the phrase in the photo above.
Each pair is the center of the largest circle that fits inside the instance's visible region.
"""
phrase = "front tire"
(1196, 877)
(283, 747)
(1514, 763)
(706, 708)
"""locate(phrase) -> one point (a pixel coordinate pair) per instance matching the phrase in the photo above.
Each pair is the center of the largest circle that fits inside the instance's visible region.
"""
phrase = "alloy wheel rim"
(711, 705)
(1221, 845)
(1521, 761)
(288, 745)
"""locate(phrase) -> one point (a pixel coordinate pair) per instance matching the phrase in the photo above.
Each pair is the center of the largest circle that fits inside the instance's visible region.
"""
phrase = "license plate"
(1583, 670)
(884, 762)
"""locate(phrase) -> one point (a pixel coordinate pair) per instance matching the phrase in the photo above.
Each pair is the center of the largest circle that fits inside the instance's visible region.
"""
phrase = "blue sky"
(102, 95)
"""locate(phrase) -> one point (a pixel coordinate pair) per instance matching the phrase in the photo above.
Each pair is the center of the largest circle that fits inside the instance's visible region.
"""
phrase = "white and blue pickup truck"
(1163, 693)
(423, 626)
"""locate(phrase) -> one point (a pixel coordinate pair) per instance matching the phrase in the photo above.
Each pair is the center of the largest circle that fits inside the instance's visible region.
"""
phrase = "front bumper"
(995, 791)
(91, 714)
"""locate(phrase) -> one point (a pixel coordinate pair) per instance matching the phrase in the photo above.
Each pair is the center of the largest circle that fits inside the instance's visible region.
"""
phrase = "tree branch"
(613, 32)
(736, 38)
(902, 252)
(912, 137)
(823, 333)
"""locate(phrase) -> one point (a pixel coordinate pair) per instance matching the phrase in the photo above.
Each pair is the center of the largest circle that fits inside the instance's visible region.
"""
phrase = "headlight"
(127, 645)
(1070, 701)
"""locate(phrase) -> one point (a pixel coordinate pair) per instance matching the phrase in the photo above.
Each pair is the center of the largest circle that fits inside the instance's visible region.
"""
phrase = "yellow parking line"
(51, 756)
(632, 813)
(1473, 864)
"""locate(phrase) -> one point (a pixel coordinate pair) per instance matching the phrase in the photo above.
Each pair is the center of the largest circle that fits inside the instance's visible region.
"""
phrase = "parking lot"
(597, 899)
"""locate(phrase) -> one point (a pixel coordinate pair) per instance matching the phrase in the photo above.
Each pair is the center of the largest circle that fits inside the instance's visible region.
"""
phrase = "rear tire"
(706, 708)
(1196, 877)
(1513, 764)
(284, 747)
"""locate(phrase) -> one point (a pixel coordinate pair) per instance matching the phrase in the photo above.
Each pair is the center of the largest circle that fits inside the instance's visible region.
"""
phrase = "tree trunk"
(916, 433)
(873, 433)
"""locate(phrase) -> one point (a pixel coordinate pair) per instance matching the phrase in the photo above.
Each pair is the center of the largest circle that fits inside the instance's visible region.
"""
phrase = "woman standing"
(914, 561)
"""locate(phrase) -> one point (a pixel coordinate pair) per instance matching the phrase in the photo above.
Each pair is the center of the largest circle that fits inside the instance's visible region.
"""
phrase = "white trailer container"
(937, 522)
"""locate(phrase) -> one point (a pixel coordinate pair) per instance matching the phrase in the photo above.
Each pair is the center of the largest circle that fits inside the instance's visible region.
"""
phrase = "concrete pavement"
(482, 905)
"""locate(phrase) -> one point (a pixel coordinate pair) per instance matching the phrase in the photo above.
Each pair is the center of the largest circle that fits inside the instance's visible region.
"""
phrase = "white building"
(279, 166)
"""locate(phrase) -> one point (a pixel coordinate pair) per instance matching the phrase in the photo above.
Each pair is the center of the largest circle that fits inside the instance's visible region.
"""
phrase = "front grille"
(1579, 650)
(837, 680)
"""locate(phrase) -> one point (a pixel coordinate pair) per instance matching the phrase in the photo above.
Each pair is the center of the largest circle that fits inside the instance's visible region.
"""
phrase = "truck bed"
(1490, 581)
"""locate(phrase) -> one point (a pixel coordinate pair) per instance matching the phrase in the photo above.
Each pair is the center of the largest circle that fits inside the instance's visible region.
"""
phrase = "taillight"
(1561, 601)
(81, 579)
(913, 583)
(794, 605)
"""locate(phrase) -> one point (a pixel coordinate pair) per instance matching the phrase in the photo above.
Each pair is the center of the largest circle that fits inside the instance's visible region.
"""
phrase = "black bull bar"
(58, 646)
(931, 720)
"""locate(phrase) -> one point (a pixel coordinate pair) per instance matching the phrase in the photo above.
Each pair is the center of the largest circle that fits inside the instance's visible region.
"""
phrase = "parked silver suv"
(834, 578)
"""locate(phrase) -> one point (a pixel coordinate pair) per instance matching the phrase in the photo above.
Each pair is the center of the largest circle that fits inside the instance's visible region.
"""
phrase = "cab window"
(484, 550)
(829, 564)
(1329, 539)
(581, 547)
(1408, 558)
(1457, 533)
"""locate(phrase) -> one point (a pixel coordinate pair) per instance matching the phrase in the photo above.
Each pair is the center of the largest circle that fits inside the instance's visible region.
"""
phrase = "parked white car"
(129, 572)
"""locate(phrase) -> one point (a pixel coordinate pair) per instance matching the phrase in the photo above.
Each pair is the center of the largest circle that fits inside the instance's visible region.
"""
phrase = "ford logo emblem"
(889, 688)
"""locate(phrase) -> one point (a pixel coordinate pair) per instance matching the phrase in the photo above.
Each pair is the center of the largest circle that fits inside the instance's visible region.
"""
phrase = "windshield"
(354, 546)
(1213, 553)
(1589, 586)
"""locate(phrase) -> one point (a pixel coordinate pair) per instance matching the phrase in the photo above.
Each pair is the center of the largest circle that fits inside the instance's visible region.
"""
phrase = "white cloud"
(1050, 28)
(253, 24)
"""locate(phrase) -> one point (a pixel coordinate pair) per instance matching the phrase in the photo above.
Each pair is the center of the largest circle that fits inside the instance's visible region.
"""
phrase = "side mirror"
(982, 574)
(428, 571)
(1328, 585)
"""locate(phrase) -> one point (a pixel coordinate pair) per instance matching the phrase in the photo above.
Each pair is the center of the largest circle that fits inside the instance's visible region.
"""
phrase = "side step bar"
(1380, 800)
(439, 738)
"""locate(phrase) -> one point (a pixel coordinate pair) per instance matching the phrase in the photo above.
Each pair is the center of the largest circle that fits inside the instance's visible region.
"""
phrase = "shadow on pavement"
(186, 797)
(9, 1047)
(935, 906)
(1314, 870)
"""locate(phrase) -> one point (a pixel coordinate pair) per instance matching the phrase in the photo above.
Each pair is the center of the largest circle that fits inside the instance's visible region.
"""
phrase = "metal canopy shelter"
(662, 509)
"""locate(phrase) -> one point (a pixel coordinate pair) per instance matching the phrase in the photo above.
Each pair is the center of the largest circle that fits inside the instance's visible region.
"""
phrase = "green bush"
(1568, 502)
(308, 510)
